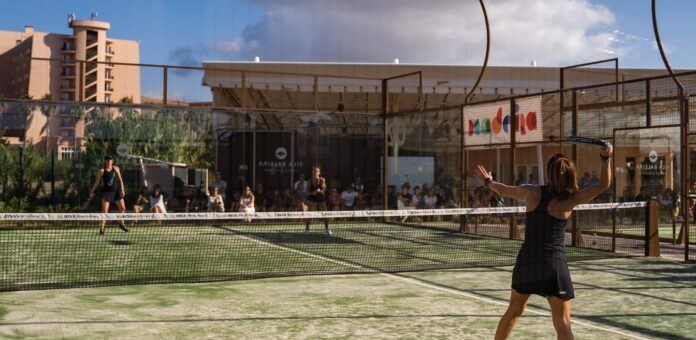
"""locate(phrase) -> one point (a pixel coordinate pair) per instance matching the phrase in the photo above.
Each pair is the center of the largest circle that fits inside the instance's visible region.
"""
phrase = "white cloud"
(552, 32)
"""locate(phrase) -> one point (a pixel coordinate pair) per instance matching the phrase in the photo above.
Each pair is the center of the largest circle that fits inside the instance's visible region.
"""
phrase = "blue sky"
(559, 32)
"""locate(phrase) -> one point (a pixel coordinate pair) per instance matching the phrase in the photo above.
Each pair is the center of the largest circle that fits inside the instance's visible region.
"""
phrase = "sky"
(550, 32)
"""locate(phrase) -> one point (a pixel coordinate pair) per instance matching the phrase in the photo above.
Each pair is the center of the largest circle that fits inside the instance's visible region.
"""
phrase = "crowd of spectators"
(354, 196)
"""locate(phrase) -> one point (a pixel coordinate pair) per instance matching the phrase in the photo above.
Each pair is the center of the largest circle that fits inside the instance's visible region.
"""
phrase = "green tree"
(177, 136)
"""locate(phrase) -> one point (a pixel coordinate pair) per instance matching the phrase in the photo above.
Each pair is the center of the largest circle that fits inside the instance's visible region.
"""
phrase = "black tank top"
(544, 235)
(109, 180)
(315, 184)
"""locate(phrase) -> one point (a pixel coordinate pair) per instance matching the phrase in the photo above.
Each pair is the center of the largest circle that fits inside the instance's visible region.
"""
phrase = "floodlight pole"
(683, 132)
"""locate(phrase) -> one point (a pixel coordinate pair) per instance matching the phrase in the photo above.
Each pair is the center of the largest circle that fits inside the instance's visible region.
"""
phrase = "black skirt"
(546, 277)
(112, 196)
(316, 197)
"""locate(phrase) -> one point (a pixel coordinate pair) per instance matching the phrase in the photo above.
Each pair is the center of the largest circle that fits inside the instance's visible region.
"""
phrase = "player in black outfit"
(112, 190)
(541, 267)
(316, 197)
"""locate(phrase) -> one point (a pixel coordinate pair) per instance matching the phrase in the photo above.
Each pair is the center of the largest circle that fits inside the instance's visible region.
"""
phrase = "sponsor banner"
(492, 123)
(183, 217)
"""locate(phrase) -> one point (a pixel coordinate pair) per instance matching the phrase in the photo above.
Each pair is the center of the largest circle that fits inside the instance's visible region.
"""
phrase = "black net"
(66, 250)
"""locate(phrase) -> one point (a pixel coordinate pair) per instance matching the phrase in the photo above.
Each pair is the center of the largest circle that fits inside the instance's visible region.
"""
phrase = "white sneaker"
(328, 231)
(306, 231)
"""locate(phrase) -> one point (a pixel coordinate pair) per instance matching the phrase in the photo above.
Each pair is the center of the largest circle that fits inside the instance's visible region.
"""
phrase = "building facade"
(75, 67)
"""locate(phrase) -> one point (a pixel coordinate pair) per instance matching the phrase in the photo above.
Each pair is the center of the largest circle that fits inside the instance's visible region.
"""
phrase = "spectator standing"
(220, 184)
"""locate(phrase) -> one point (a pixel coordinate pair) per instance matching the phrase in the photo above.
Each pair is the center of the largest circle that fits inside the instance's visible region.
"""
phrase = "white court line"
(431, 286)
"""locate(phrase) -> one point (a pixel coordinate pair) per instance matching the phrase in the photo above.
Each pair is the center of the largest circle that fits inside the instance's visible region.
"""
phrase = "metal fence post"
(165, 85)
(53, 177)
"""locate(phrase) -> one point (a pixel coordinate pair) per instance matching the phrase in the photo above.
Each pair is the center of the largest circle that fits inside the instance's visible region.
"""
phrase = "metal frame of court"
(648, 99)
(574, 108)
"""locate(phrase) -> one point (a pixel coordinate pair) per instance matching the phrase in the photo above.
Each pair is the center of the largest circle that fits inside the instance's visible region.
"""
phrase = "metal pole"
(683, 131)
(244, 92)
(385, 142)
(648, 104)
(21, 167)
(53, 177)
(78, 166)
(560, 111)
(685, 171)
(165, 85)
(577, 234)
(513, 140)
(462, 165)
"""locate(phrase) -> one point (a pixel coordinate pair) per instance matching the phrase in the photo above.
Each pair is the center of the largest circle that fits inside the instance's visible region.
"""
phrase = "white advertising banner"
(491, 123)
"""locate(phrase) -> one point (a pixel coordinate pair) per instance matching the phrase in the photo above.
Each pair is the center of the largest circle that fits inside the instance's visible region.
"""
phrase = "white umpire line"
(435, 287)
(293, 214)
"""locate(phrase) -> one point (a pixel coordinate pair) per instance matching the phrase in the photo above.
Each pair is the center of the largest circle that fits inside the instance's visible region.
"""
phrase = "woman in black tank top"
(316, 197)
(109, 176)
(541, 267)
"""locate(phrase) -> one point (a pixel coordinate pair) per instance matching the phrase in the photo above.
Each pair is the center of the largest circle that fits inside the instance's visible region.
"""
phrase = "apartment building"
(65, 67)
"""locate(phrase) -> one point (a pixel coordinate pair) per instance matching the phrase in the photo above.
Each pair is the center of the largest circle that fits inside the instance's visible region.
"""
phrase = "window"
(67, 152)
(107, 98)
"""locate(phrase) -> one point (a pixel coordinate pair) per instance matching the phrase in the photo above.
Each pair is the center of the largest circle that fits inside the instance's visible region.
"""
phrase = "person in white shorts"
(348, 197)
(430, 199)
(157, 201)
(215, 201)
(246, 201)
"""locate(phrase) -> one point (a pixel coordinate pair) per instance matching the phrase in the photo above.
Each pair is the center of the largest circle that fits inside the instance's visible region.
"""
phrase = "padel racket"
(86, 203)
(589, 141)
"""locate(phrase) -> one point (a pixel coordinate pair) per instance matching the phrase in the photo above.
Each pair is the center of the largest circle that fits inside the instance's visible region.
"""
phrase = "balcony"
(109, 76)
(67, 87)
(91, 79)
(108, 88)
(67, 74)
(68, 49)
(68, 61)
(110, 51)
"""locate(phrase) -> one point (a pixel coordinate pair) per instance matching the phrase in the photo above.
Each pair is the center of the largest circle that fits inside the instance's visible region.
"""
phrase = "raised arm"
(588, 194)
(521, 192)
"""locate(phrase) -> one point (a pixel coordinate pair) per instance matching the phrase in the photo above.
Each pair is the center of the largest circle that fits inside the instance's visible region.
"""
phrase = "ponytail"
(562, 177)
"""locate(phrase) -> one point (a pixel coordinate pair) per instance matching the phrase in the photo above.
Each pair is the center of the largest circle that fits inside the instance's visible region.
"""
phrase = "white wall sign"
(491, 123)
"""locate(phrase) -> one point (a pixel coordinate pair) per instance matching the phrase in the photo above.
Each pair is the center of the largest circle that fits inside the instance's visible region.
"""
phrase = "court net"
(41, 251)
